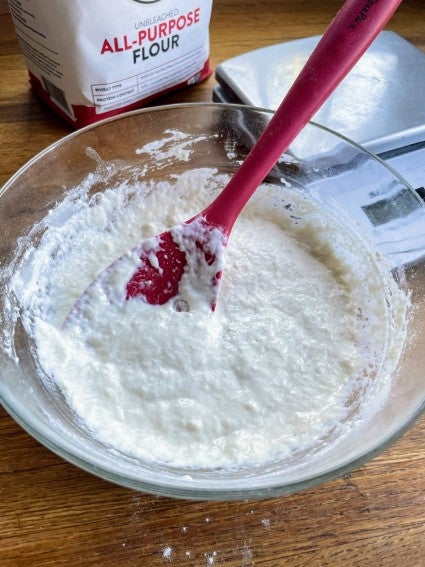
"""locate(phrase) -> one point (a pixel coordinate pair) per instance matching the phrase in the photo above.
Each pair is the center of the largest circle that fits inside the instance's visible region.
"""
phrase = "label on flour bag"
(91, 60)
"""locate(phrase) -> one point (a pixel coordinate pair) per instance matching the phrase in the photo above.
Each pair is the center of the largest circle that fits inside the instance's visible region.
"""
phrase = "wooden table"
(51, 513)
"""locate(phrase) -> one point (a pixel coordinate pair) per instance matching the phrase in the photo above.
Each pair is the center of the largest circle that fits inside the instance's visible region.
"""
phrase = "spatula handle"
(348, 36)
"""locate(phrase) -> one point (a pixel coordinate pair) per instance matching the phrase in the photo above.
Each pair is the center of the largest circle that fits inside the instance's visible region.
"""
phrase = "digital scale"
(380, 105)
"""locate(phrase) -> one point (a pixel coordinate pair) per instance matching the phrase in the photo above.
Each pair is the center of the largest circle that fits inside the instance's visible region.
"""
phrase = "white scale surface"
(380, 105)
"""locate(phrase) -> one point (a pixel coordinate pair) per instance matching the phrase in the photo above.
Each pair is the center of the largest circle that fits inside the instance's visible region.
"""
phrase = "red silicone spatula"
(191, 254)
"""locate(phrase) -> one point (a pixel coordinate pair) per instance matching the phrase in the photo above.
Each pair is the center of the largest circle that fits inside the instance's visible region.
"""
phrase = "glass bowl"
(346, 180)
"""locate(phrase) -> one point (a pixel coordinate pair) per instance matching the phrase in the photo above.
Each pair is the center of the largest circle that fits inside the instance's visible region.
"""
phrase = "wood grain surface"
(53, 514)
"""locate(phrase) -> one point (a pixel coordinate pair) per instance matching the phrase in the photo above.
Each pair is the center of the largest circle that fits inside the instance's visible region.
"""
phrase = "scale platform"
(380, 105)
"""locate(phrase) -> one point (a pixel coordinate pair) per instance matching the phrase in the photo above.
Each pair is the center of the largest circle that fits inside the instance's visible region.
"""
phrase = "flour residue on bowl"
(176, 145)
(308, 328)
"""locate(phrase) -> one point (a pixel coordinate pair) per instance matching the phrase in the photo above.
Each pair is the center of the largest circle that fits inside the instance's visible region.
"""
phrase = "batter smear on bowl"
(274, 370)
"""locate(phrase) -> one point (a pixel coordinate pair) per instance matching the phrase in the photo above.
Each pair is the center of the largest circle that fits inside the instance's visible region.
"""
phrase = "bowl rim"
(189, 492)
(186, 490)
(160, 108)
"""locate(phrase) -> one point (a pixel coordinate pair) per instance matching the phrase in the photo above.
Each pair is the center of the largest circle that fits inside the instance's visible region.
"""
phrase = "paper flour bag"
(91, 59)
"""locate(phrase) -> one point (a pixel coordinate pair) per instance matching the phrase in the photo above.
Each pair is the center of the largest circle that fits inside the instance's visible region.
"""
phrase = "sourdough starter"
(301, 323)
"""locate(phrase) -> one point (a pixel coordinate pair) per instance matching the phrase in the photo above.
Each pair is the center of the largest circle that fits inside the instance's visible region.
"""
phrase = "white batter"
(301, 321)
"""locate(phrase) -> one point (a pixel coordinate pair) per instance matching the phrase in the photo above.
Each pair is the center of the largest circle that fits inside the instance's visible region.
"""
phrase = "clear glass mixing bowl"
(320, 163)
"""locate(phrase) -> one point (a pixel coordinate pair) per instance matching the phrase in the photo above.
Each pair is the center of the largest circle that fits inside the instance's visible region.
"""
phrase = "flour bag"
(92, 59)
